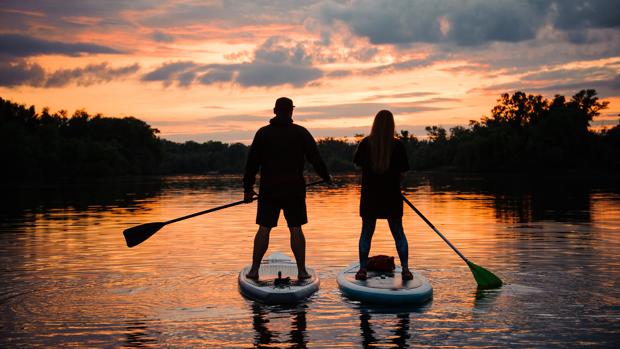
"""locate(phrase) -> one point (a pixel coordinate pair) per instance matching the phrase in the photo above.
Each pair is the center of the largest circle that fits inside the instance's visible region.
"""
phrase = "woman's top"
(381, 195)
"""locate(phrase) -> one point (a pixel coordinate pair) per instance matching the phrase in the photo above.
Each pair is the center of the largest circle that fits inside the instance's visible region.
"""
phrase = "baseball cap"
(283, 103)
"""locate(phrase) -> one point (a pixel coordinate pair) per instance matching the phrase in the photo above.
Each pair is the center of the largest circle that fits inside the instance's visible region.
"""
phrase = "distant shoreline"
(568, 174)
(525, 134)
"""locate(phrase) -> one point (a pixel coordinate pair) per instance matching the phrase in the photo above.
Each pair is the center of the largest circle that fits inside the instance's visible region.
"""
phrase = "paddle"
(484, 278)
(140, 233)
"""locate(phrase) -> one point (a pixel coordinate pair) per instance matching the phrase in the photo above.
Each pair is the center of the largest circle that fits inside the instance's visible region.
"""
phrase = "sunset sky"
(211, 70)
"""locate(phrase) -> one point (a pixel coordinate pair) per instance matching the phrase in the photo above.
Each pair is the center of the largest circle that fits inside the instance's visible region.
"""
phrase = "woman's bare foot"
(407, 275)
(361, 274)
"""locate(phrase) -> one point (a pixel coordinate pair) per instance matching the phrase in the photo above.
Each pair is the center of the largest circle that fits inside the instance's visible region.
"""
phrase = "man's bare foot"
(252, 274)
(303, 275)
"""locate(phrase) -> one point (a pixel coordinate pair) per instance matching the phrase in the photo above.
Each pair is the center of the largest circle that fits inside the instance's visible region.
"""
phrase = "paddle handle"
(224, 206)
(433, 227)
(205, 211)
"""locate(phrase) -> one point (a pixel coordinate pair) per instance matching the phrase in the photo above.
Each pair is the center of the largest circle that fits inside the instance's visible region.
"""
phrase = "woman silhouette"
(383, 160)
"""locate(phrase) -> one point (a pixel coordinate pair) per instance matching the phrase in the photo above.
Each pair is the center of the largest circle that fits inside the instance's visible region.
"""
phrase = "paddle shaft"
(223, 207)
(433, 227)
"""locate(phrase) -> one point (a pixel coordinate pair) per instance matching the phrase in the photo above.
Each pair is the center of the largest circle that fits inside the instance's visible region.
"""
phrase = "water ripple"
(69, 280)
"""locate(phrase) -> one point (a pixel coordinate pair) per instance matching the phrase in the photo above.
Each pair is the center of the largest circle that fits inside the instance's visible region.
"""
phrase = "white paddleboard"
(385, 287)
(270, 289)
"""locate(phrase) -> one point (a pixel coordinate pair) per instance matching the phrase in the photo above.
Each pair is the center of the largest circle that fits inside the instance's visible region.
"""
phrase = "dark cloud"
(160, 36)
(569, 15)
(253, 74)
(498, 35)
(591, 36)
(266, 74)
(593, 73)
(169, 71)
(340, 73)
(515, 58)
(216, 74)
(22, 72)
(274, 51)
(398, 22)
(276, 62)
(466, 23)
(384, 21)
(17, 21)
(89, 75)
(16, 45)
(615, 82)
(228, 14)
(365, 54)
(68, 19)
(90, 8)
(608, 87)
(481, 22)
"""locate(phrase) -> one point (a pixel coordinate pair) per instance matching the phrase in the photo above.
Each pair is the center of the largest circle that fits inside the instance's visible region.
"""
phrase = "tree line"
(524, 132)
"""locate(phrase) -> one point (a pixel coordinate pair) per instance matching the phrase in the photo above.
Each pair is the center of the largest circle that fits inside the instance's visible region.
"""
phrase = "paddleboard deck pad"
(277, 282)
(385, 287)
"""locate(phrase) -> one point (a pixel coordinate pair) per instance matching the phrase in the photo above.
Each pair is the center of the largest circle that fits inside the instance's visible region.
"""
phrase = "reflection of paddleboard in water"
(277, 283)
(385, 287)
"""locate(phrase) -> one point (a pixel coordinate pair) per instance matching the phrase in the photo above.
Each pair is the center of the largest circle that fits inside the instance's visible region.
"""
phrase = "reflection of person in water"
(264, 336)
(139, 335)
(369, 337)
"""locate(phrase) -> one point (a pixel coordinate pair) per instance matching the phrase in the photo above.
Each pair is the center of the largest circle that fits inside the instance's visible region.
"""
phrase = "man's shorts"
(269, 211)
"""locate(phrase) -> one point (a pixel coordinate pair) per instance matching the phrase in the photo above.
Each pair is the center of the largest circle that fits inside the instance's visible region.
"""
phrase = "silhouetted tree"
(51, 145)
(337, 154)
(524, 132)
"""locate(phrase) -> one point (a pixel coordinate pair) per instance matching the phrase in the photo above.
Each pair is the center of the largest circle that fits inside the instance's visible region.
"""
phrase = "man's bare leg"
(261, 243)
(298, 245)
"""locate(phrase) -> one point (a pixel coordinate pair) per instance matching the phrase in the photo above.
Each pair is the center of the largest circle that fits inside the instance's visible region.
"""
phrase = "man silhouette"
(279, 150)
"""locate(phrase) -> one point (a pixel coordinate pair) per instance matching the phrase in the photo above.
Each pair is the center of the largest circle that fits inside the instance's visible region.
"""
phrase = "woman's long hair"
(381, 140)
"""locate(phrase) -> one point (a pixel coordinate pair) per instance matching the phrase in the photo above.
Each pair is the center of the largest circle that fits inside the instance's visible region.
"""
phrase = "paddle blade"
(484, 278)
(138, 234)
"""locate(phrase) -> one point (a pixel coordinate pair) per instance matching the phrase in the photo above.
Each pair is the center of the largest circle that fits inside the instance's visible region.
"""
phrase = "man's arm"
(251, 168)
(314, 157)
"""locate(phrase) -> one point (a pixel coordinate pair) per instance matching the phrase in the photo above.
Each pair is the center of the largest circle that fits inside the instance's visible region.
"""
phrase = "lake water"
(68, 279)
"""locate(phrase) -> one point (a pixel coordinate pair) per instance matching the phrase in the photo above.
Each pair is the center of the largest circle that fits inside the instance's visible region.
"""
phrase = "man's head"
(284, 107)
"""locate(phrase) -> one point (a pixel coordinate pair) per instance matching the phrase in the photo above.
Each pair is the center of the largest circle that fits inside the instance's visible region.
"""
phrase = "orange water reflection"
(69, 279)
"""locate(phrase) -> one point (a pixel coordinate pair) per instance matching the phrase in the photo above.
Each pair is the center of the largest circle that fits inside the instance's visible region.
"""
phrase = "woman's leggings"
(396, 227)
